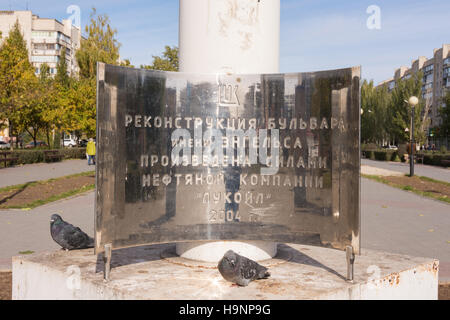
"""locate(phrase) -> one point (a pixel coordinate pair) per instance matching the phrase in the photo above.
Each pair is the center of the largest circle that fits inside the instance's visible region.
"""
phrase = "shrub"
(28, 156)
(396, 157)
(386, 155)
(436, 160)
(369, 154)
(443, 149)
(73, 153)
(37, 155)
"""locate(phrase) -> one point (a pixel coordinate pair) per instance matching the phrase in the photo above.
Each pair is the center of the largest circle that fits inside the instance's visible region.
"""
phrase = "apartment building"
(45, 38)
(436, 81)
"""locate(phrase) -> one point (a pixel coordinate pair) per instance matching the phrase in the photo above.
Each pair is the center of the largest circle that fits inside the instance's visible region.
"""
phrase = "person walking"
(90, 150)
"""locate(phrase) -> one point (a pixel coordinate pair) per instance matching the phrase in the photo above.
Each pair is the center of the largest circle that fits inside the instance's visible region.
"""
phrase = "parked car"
(4, 145)
(39, 144)
(69, 142)
(82, 143)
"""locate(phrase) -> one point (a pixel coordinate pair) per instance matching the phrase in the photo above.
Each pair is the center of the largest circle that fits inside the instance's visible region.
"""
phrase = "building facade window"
(428, 78)
(41, 59)
(428, 95)
(428, 68)
(43, 34)
(446, 72)
(427, 86)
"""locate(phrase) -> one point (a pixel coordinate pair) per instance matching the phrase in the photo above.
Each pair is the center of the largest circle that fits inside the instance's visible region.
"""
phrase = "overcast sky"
(315, 34)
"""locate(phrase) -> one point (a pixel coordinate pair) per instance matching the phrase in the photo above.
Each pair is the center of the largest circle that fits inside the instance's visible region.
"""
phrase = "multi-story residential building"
(45, 38)
(436, 82)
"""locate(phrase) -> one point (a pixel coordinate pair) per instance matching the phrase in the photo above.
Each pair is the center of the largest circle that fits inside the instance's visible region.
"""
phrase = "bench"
(52, 155)
(5, 156)
(446, 163)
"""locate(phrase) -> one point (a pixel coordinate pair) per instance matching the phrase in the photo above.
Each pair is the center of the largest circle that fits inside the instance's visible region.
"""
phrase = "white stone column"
(229, 36)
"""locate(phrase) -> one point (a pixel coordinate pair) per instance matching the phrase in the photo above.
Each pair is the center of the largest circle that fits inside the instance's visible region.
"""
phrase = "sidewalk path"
(42, 171)
(434, 172)
(402, 222)
(30, 230)
(369, 170)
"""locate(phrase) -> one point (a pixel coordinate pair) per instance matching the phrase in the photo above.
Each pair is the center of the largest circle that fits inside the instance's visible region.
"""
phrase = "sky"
(315, 34)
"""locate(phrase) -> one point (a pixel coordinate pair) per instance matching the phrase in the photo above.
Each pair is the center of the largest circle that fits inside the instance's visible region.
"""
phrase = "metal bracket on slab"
(350, 262)
(107, 261)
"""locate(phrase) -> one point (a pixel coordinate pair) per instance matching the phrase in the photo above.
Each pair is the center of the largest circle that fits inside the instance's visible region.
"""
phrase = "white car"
(4, 145)
(69, 143)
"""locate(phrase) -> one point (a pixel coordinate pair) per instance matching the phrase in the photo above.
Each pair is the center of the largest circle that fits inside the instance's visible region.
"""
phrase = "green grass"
(412, 189)
(40, 202)
(435, 181)
(54, 198)
(30, 184)
(26, 252)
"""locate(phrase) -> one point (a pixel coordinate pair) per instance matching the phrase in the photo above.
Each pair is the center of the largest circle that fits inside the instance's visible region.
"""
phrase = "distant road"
(438, 173)
(42, 171)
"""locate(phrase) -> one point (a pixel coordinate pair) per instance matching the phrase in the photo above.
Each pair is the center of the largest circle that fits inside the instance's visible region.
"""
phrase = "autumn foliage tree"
(16, 74)
(400, 111)
(77, 96)
(101, 45)
(168, 61)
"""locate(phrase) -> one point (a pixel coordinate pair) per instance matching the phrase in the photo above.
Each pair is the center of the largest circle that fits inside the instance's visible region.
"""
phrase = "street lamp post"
(413, 101)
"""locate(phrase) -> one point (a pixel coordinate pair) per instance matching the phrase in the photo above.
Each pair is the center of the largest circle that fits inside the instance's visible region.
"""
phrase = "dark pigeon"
(241, 270)
(68, 236)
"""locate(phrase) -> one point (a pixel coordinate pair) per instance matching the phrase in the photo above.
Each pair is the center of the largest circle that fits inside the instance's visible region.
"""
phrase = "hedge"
(392, 155)
(381, 155)
(37, 155)
(437, 160)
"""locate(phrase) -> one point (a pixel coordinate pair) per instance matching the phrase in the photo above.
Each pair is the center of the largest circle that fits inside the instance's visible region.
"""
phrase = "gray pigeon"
(68, 236)
(241, 270)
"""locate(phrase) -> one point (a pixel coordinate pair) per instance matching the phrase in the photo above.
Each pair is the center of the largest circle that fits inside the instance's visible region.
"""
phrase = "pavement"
(41, 171)
(402, 222)
(392, 220)
(30, 230)
(434, 172)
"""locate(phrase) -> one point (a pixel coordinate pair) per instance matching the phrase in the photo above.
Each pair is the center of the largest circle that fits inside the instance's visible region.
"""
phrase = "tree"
(126, 63)
(77, 112)
(100, 46)
(374, 120)
(169, 61)
(444, 111)
(400, 111)
(16, 72)
(368, 126)
(61, 69)
(31, 105)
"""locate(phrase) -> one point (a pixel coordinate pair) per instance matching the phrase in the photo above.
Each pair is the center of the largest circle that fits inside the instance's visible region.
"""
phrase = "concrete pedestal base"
(156, 272)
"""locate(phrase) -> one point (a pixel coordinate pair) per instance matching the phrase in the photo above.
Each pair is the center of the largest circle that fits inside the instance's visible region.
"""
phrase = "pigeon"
(68, 236)
(241, 270)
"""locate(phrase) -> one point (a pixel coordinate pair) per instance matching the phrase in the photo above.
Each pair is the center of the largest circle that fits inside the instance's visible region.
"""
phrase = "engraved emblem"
(227, 96)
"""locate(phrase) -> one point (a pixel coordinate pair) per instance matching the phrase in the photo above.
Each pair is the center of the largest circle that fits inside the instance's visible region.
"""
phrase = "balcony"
(447, 62)
(37, 52)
